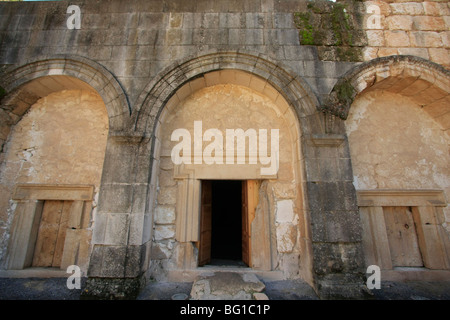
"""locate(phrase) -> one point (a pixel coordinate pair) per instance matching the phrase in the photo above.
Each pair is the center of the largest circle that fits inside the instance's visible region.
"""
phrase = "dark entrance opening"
(226, 237)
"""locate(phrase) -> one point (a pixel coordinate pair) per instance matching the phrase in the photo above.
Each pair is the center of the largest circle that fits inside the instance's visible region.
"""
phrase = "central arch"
(157, 93)
(292, 98)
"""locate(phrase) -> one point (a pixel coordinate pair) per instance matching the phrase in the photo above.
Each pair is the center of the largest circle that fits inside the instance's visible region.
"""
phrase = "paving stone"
(226, 286)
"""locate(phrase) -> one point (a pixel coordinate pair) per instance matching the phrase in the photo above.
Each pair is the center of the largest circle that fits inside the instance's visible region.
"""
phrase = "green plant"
(306, 31)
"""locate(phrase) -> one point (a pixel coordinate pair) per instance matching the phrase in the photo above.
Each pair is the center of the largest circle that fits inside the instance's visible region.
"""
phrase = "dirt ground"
(56, 289)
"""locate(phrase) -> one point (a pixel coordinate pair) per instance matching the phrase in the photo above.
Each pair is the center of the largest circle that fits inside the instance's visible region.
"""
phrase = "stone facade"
(359, 91)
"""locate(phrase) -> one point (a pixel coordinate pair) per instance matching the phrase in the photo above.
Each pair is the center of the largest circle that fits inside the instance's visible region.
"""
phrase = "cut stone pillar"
(338, 261)
(120, 245)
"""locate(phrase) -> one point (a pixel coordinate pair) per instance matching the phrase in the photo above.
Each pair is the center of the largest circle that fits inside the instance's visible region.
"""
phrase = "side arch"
(425, 82)
(23, 86)
(397, 120)
(27, 83)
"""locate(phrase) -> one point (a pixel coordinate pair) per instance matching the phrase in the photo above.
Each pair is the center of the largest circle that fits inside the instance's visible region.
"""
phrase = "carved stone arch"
(290, 94)
(158, 92)
(390, 99)
(423, 81)
(27, 83)
(24, 85)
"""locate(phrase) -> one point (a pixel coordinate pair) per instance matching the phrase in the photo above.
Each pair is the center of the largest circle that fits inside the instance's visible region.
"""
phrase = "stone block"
(167, 196)
(166, 179)
(232, 20)
(428, 23)
(119, 21)
(385, 52)
(164, 214)
(115, 199)
(96, 21)
(283, 21)
(133, 261)
(333, 195)
(140, 198)
(329, 171)
(445, 37)
(427, 39)
(399, 22)
(411, 8)
(286, 237)
(397, 38)
(375, 38)
(296, 53)
(117, 288)
(164, 232)
(161, 250)
(152, 20)
(434, 8)
(342, 226)
(260, 296)
(113, 261)
(337, 258)
(418, 52)
(440, 55)
(285, 211)
(117, 229)
(254, 37)
(136, 229)
(226, 286)
(258, 20)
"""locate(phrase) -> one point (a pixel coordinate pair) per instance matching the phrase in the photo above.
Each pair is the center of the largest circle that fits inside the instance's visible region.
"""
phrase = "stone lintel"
(393, 197)
(326, 140)
(53, 192)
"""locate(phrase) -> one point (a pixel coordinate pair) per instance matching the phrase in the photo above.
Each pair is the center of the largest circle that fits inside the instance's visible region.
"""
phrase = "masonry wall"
(396, 145)
(418, 28)
(230, 107)
(60, 141)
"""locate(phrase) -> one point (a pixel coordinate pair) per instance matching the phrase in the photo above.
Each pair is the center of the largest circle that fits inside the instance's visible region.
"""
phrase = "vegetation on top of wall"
(345, 92)
(334, 27)
(340, 99)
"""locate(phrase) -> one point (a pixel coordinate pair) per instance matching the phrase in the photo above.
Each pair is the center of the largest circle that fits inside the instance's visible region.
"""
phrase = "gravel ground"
(56, 289)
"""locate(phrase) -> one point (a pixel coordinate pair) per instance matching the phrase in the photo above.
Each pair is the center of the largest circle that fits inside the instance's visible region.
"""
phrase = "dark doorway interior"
(226, 240)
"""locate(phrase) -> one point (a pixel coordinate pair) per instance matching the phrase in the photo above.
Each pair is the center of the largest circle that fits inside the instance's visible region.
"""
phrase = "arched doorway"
(268, 202)
(398, 136)
(328, 233)
(53, 163)
(56, 117)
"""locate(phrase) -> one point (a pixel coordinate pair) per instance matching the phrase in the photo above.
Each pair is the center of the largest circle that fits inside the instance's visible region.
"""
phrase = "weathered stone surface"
(399, 22)
(397, 38)
(164, 232)
(137, 54)
(407, 170)
(112, 288)
(226, 286)
(412, 8)
(260, 296)
(286, 237)
(428, 23)
(165, 214)
(285, 211)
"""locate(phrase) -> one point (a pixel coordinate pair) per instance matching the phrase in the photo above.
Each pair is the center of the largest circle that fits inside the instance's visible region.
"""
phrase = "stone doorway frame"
(188, 212)
(30, 200)
(427, 207)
